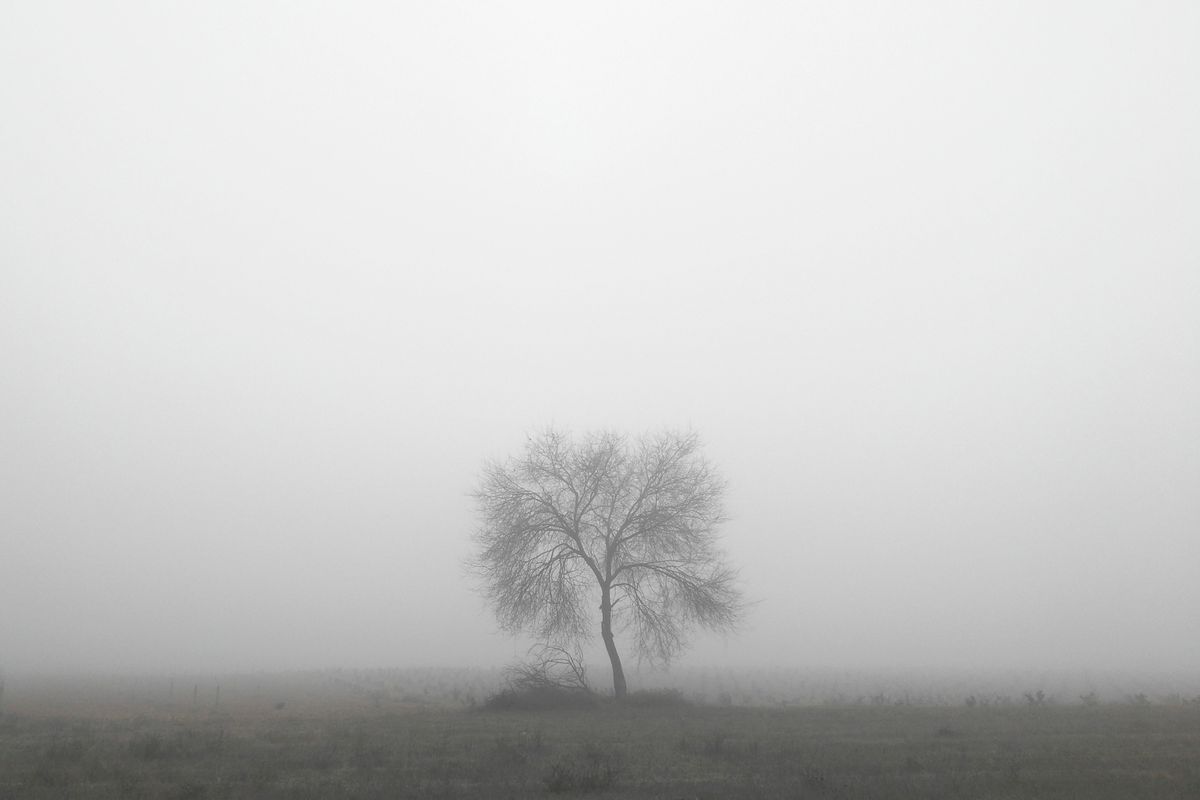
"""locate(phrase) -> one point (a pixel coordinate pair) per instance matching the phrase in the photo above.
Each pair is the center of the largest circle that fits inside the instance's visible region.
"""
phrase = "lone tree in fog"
(631, 524)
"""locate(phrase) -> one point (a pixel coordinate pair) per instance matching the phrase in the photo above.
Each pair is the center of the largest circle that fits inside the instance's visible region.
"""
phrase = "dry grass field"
(332, 735)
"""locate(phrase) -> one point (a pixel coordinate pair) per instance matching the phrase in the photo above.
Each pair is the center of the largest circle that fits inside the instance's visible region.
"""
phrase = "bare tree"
(632, 524)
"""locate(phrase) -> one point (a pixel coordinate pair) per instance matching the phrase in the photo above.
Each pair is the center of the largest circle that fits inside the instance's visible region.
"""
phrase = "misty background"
(276, 279)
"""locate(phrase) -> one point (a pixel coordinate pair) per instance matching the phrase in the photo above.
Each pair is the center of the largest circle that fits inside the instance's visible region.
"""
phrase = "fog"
(277, 278)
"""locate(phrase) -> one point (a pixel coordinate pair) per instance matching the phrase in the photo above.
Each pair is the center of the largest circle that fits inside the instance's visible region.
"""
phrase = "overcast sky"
(276, 279)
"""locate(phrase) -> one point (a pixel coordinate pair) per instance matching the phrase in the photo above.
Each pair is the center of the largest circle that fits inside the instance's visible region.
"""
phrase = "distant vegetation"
(394, 689)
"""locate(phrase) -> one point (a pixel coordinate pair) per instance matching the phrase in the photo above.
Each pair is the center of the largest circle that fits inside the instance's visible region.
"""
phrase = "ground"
(268, 738)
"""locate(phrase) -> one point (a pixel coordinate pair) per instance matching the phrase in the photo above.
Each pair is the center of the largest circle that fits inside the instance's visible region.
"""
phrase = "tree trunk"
(606, 633)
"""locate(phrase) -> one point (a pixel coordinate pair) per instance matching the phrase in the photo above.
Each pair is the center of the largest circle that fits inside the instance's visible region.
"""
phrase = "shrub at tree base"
(541, 698)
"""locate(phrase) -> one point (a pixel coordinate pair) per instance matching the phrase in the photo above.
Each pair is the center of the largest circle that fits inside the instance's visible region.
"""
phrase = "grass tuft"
(591, 771)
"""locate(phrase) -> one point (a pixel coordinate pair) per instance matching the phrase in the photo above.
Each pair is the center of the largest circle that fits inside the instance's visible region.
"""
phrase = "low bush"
(542, 698)
(552, 677)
